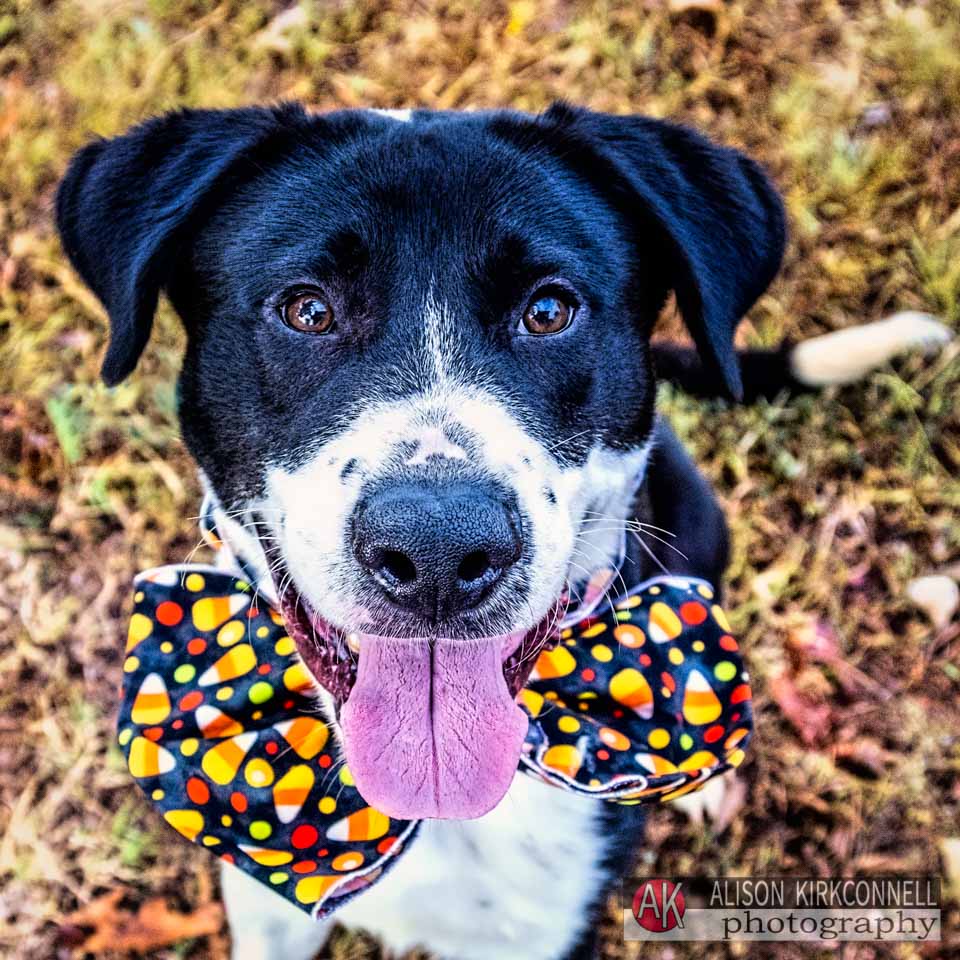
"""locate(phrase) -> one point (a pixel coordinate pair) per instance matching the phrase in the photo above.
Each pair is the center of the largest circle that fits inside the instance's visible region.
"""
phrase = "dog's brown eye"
(308, 313)
(548, 313)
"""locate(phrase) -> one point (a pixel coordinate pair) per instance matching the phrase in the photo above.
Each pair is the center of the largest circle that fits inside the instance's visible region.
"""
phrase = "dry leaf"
(153, 925)
(937, 596)
(950, 855)
(812, 721)
(863, 757)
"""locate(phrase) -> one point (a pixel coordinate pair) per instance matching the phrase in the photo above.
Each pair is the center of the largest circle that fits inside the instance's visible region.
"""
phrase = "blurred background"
(837, 502)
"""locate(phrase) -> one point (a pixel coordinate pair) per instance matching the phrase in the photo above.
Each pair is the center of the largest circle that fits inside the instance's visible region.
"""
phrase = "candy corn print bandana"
(641, 703)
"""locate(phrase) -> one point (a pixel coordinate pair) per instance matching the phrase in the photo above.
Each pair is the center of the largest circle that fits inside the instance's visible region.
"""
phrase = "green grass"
(835, 501)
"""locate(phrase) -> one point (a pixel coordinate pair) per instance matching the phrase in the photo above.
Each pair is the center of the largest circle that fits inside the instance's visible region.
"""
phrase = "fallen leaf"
(950, 855)
(863, 757)
(153, 925)
(811, 720)
(707, 6)
(938, 596)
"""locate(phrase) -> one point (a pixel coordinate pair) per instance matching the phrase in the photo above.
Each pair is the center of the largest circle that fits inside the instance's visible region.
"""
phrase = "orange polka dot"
(304, 866)
(385, 844)
(740, 694)
(264, 668)
(728, 643)
(588, 674)
(153, 733)
(238, 801)
(693, 612)
(713, 734)
(169, 613)
(196, 645)
(227, 858)
(198, 791)
(668, 681)
(645, 660)
(325, 760)
(191, 700)
(177, 724)
(603, 755)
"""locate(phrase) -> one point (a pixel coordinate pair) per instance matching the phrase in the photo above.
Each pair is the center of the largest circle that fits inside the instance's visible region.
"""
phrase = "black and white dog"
(419, 385)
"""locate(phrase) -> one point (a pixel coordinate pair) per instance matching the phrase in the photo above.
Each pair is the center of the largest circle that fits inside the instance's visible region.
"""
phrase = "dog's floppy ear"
(716, 206)
(125, 206)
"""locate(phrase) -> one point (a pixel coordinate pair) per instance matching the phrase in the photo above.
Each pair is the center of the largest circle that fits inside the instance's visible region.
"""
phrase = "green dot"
(260, 692)
(185, 673)
(724, 670)
(278, 877)
(260, 829)
(686, 741)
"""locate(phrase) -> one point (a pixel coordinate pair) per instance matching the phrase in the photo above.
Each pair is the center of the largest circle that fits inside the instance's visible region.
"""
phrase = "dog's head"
(417, 378)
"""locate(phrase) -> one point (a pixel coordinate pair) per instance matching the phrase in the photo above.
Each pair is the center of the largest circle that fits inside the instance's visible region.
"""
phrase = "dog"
(419, 386)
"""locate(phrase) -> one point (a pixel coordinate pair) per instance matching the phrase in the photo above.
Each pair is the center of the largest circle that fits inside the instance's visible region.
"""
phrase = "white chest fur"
(516, 884)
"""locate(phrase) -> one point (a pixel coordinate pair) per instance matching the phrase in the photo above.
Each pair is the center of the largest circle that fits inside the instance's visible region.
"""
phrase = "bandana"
(222, 731)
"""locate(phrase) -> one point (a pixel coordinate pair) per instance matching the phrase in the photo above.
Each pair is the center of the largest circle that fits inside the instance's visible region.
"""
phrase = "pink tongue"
(432, 731)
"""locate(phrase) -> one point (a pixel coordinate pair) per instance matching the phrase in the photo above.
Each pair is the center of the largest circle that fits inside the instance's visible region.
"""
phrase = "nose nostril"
(398, 565)
(474, 566)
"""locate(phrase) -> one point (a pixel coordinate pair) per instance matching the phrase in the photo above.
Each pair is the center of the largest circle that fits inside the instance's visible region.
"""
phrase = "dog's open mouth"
(430, 727)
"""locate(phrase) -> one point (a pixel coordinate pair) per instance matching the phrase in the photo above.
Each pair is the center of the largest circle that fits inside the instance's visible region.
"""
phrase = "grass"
(835, 501)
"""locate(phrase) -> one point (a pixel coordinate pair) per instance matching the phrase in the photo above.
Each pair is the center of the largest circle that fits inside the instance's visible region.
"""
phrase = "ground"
(835, 501)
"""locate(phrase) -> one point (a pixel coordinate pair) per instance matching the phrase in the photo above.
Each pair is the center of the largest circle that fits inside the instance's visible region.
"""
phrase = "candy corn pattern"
(652, 701)
(220, 729)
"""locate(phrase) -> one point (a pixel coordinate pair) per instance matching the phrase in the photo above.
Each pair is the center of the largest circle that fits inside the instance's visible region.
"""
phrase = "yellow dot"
(658, 738)
(284, 646)
(697, 646)
(602, 653)
(230, 633)
(225, 693)
(195, 582)
(166, 647)
(256, 715)
(262, 631)
(131, 664)
(704, 591)
(551, 695)
(665, 692)
(327, 805)
(654, 590)
(720, 617)
(258, 773)
(210, 841)
(138, 596)
(568, 724)
(157, 794)
(124, 737)
(226, 820)
(189, 746)
(675, 656)
(346, 777)
(582, 706)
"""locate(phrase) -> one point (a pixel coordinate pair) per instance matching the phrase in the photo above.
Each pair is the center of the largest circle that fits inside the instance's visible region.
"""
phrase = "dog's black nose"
(436, 548)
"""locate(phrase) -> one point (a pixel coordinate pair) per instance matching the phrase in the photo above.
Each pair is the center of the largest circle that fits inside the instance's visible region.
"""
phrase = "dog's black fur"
(227, 211)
